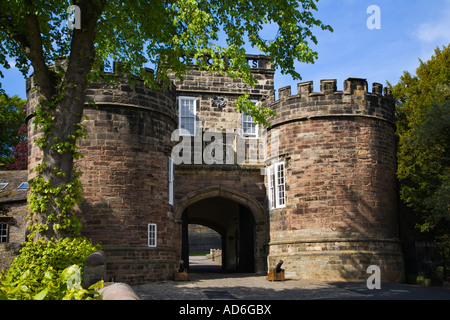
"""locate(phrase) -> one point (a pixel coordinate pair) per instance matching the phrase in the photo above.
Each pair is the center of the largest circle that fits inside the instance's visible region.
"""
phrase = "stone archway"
(238, 218)
(223, 192)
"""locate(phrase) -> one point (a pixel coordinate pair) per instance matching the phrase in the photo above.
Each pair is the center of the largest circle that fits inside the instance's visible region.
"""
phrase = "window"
(152, 235)
(271, 183)
(187, 110)
(276, 185)
(279, 177)
(3, 232)
(171, 178)
(249, 127)
(23, 186)
(3, 185)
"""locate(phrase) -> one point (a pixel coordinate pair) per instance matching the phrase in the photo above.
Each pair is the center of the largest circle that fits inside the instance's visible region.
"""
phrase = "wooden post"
(181, 276)
(275, 276)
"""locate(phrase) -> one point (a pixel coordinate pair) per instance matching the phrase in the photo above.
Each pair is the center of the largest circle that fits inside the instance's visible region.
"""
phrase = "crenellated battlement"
(120, 93)
(352, 86)
(354, 100)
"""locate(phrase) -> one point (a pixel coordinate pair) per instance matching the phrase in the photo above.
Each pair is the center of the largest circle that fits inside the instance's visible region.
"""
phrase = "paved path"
(214, 285)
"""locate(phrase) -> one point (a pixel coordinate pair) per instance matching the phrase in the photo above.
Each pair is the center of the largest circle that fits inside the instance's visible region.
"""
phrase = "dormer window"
(23, 186)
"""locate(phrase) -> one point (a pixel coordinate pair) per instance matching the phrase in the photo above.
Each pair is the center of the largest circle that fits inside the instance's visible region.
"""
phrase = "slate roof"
(14, 178)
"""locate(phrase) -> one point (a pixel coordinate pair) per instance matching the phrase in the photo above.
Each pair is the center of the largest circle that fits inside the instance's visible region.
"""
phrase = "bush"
(48, 270)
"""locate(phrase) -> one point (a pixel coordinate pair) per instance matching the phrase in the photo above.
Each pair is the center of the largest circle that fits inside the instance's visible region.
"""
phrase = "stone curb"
(118, 291)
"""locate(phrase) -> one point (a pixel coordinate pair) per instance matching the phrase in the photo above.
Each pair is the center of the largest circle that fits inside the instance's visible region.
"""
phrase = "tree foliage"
(47, 270)
(167, 35)
(423, 127)
(12, 133)
(19, 153)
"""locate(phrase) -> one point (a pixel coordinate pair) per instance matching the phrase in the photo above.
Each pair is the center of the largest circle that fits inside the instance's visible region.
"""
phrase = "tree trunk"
(67, 114)
(63, 95)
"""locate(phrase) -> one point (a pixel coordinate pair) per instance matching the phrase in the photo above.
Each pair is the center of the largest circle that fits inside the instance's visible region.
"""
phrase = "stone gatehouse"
(316, 189)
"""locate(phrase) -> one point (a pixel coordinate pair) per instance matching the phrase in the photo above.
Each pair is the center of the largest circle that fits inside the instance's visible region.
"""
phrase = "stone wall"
(8, 251)
(202, 239)
(208, 87)
(17, 226)
(215, 255)
(125, 178)
(240, 185)
(341, 206)
(17, 220)
(13, 213)
(339, 154)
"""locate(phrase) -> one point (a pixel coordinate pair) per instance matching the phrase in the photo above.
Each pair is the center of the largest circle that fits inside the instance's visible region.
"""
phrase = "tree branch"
(14, 31)
(35, 53)
(82, 51)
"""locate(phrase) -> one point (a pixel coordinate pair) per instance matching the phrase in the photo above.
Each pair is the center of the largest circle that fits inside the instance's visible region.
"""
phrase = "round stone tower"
(340, 210)
(125, 176)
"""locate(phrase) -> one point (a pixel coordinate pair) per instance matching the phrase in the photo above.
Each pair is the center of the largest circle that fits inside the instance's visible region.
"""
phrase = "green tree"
(12, 118)
(423, 127)
(167, 34)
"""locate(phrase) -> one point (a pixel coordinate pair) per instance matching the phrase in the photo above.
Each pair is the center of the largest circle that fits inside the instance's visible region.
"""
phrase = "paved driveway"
(206, 282)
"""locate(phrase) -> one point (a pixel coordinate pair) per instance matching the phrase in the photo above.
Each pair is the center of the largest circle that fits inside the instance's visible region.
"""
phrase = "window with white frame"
(171, 178)
(152, 235)
(271, 186)
(276, 185)
(3, 232)
(249, 127)
(187, 112)
(280, 192)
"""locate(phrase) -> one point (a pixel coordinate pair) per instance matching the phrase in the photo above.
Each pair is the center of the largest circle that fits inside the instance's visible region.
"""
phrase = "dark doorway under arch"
(233, 221)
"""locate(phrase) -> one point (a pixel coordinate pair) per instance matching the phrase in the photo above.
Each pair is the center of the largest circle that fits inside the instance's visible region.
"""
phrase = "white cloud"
(438, 29)
(12, 63)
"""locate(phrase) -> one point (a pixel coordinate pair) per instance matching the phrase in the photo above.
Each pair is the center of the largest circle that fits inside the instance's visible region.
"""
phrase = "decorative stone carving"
(220, 102)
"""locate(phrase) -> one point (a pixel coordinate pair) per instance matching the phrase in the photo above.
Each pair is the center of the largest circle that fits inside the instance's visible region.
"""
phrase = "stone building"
(317, 189)
(338, 159)
(13, 213)
(203, 239)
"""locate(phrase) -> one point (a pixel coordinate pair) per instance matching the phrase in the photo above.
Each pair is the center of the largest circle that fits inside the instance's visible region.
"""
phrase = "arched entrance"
(239, 221)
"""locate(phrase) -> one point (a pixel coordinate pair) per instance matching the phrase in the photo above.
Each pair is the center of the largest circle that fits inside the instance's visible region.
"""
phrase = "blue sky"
(410, 29)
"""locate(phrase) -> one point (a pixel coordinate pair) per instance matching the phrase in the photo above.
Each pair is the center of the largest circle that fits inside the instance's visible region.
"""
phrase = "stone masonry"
(13, 213)
(340, 191)
(341, 206)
